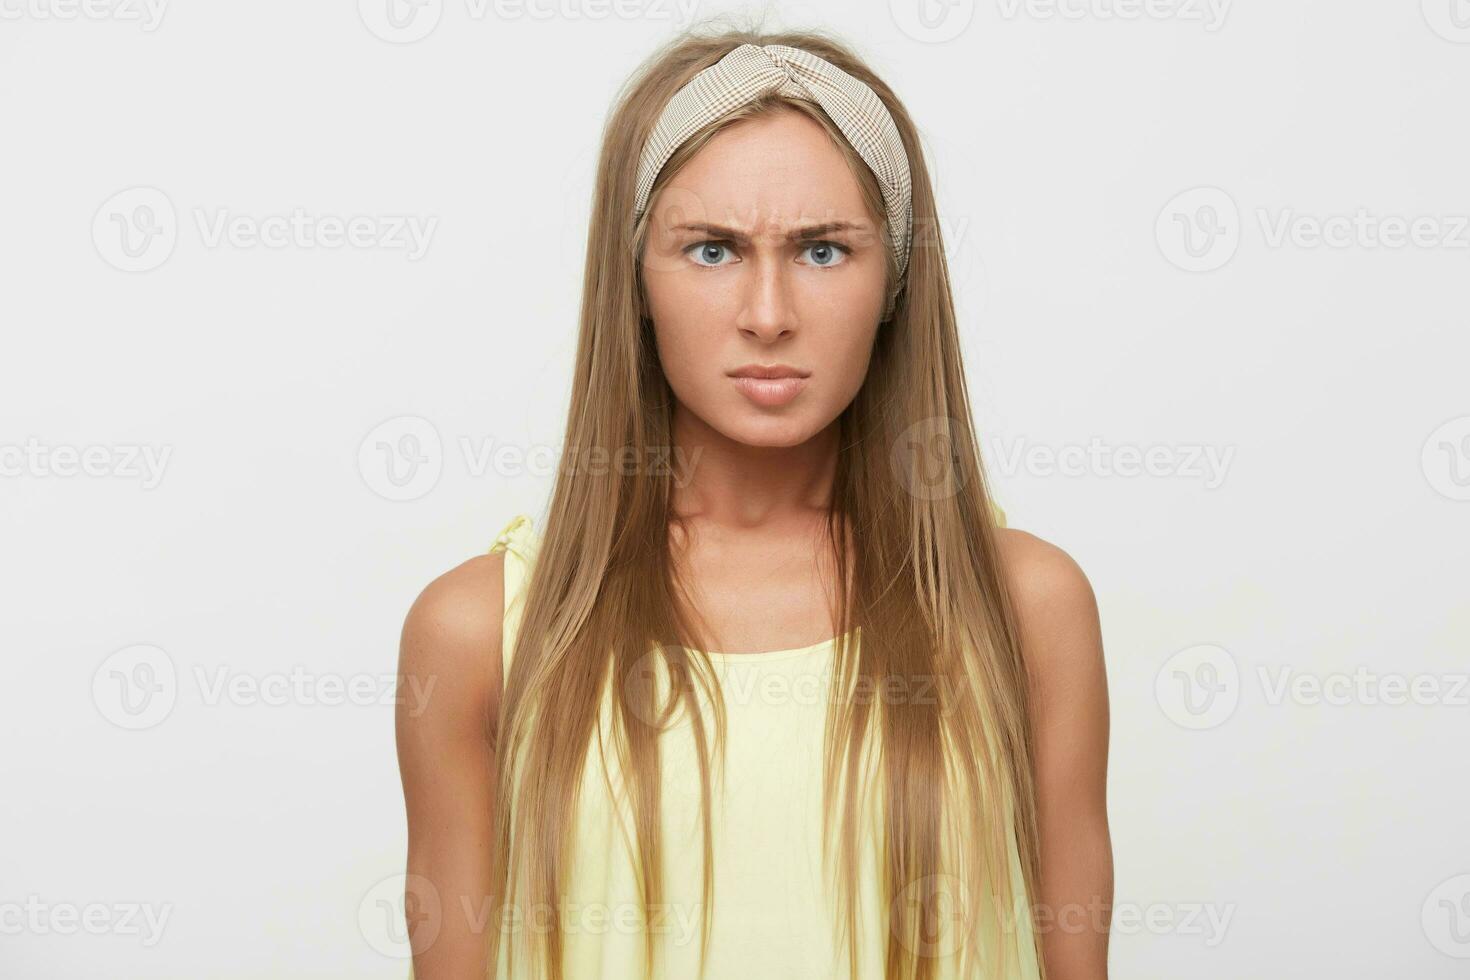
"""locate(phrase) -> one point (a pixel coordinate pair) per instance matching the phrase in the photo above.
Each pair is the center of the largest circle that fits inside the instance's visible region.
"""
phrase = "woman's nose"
(767, 312)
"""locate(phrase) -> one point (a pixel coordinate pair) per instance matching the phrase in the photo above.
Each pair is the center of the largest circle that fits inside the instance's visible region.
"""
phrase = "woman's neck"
(733, 484)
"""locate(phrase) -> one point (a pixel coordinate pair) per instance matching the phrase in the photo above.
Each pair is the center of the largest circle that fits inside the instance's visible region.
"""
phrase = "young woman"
(770, 694)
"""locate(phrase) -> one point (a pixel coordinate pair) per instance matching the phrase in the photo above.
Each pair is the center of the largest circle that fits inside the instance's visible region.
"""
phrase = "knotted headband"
(750, 71)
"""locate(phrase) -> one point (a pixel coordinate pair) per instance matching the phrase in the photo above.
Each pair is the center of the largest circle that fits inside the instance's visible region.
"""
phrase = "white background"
(1327, 832)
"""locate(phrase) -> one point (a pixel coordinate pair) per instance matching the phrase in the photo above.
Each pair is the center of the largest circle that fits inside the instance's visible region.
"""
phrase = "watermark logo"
(1210, 14)
(400, 21)
(1445, 459)
(1207, 921)
(36, 917)
(1198, 687)
(405, 911)
(305, 688)
(951, 920)
(408, 233)
(147, 14)
(1363, 687)
(932, 21)
(1205, 464)
(124, 461)
(1446, 917)
(135, 230)
(398, 912)
(743, 681)
(1199, 229)
(679, 11)
(407, 21)
(647, 691)
(402, 458)
(1450, 19)
(926, 461)
(940, 904)
(677, 920)
(1363, 230)
(136, 687)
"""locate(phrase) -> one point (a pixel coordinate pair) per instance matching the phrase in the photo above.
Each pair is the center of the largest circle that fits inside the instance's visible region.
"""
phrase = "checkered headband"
(750, 71)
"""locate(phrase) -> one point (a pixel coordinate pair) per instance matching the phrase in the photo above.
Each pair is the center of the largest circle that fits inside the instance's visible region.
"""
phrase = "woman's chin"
(767, 430)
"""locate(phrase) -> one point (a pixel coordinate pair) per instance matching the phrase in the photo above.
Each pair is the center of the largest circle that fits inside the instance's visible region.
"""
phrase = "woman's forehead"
(767, 175)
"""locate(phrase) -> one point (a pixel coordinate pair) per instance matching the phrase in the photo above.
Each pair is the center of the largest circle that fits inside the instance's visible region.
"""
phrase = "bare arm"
(1061, 640)
(451, 640)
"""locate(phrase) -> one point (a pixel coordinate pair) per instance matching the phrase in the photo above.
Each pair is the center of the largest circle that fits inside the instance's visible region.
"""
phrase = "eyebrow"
(804, 233)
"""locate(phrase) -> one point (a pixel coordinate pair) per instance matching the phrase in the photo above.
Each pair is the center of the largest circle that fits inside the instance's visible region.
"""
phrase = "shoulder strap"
(518, 542)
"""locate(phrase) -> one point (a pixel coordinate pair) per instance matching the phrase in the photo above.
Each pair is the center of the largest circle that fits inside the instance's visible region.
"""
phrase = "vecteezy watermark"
(937, 21)
(1363, 230)
(147, 14)
(1201, 686)
(1187, 461)
(794, 683)
(1210, 14)
(120, 461)
(1198, 687)
(137, 229)
(403, 911)
(138, 687)
(301, 687)
(406, 21)
(400, 21)
(1208, 921)
(1450, 19)
(403, 457)
(1445, 917)
(946, 899)
(1445, 459)
(399, 912)
(1284, 684)
(932, 21)
(926, 460)
(1201, 229)
(33, 916)
(678, 920)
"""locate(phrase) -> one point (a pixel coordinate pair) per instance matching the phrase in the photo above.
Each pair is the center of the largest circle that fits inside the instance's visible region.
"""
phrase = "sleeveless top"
(773, 910)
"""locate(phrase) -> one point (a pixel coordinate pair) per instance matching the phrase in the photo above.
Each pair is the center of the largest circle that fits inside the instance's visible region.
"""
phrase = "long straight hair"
(912, 535)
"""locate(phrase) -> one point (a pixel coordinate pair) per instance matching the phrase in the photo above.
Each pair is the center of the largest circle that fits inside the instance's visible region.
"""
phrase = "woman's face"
(761, 253)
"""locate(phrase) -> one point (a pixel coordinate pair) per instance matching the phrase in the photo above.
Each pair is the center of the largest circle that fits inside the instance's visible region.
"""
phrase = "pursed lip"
(768, 371)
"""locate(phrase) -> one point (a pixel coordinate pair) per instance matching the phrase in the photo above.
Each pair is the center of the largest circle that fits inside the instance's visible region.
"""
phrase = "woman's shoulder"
(1052, 596)
(451, 640)
(461, 606)
(461, 612)
(1038, 570)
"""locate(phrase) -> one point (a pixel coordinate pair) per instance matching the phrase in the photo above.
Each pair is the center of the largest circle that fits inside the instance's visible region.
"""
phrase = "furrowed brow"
(802, 234)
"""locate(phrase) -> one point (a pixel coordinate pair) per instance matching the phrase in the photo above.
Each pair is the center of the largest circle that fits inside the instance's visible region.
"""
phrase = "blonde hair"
(919, 554)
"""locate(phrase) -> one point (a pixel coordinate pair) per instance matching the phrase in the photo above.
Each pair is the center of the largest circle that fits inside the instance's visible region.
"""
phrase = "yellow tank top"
(773, 911)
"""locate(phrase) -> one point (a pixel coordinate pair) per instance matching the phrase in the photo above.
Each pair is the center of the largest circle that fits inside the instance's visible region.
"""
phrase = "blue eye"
(830, 254)
(703, 250)
(825, 255)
